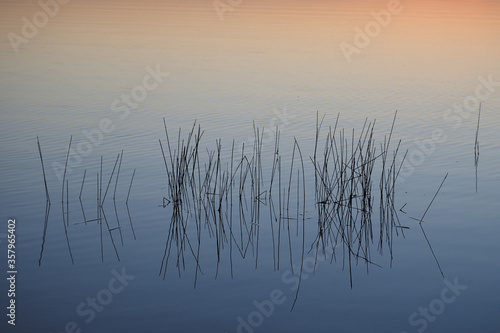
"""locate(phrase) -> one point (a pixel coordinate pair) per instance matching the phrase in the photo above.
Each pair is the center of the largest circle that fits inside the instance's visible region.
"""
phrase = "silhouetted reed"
(62, 201)
(101, 195)
(203, 187)
(47, 203)
(422, 228)
(476, 143)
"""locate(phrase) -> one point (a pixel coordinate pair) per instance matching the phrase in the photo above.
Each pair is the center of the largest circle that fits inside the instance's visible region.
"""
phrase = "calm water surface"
(268, 63)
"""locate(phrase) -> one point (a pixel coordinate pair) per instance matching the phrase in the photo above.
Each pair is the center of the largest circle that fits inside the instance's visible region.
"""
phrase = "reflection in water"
(67, 201)
(344, 193)
(422, 228)
(47, 205)
(45, 223)
(225, 198)
(476, 143)
(224, 194)
(264, 55)
(100, 200)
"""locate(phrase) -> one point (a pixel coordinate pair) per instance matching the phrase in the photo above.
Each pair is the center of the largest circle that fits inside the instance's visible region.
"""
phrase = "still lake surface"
(272, 64)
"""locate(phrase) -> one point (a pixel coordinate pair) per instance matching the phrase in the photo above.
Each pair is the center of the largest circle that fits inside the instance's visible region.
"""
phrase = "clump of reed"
(205, 188)
(344, 175)
(101, 195)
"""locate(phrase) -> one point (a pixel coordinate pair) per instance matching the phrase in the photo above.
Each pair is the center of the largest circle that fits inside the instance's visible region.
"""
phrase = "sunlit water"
(268, 63)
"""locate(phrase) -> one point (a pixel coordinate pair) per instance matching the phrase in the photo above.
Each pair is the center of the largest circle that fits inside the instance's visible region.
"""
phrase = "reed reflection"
(223, 197)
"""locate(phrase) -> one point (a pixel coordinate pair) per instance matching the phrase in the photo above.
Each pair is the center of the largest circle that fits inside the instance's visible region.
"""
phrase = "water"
(272, 63)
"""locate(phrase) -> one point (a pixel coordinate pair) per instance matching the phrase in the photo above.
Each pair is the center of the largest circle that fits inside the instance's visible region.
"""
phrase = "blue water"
(269, 64)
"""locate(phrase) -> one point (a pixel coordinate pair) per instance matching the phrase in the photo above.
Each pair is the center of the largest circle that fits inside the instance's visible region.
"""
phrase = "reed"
(476, 143)
(80, 197)
(67, 202)
(62, 201)
(422, 228)
(45, 225)
(221, 194)
(99, 208)
(118, 175)
(118, 158)
(43, 171)
(343, 194)
(101, 195)
(47, 203)
(114, 197)
(130, 220)
(130, 186)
